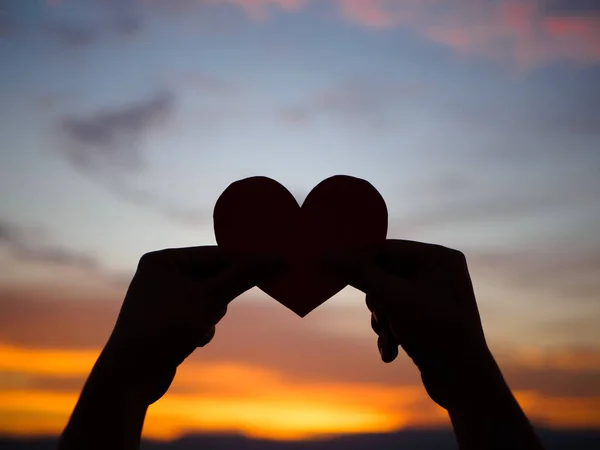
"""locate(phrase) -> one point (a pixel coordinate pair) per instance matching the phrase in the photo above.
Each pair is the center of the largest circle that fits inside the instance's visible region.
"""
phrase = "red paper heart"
(259, 214)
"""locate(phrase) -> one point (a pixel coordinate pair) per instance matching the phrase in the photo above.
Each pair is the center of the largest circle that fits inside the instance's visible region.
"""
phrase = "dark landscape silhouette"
(403, 440)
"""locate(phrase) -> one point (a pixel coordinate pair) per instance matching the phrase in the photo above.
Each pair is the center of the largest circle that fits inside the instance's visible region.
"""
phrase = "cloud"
(474, 202)
(552, 267)
(359, 101)
(107, 146)
(372, 13)
(44, 318)
(397, 102)
(569, 372)
(110, 137)
(204, 82)
(146, 198)
(108, 19)
(71, 34)
(7, 27)
(123, 17)
(6, 232)
(126, 25)
(10, 23)
(32, 246)
(571, 7)
(577, 327)
(258, 8)
(528, 33)
(19, 242)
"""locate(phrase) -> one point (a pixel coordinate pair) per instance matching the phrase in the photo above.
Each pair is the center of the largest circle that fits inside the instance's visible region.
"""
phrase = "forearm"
(486, 416)
(110, 412)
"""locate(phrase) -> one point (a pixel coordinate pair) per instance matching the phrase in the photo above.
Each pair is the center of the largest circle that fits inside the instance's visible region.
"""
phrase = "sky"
(122, 121)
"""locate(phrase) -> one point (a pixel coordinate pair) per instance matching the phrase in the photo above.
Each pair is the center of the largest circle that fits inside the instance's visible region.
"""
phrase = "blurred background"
(122, 121)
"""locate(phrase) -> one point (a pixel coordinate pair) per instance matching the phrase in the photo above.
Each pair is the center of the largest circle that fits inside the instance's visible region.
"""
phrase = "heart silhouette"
(259, 214)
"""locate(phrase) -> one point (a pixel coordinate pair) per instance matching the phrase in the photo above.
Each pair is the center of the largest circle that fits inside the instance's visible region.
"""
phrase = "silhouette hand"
(421, 297)
(173, 303)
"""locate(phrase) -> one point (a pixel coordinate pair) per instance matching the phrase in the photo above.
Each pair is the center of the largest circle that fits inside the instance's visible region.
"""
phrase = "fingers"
(208, 336)
(388, 349)
(406, 258)
(221, 273)
(386, 341)
(401, 257)
(418, 253)
(220, 315)
(375, 325)
(200, 262)
(378, 322)
(241, 275)
(400, 267)
(432, 265)
(364, 274)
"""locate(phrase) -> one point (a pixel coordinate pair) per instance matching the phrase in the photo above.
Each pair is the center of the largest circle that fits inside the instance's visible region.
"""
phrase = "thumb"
(242, 274)
(364, 274)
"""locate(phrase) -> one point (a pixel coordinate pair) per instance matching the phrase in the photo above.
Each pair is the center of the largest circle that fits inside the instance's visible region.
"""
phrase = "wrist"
(453, 380)
(484, 412)
(478, 384)
(133, 372)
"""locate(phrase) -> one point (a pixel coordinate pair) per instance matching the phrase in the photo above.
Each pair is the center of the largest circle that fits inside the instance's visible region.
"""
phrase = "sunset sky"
(122, 121)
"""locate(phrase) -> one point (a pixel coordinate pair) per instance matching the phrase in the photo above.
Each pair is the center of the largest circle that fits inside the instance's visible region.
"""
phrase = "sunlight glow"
(239, 398)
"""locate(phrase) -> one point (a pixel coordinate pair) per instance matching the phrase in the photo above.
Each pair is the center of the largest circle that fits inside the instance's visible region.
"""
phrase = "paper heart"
(259, 214)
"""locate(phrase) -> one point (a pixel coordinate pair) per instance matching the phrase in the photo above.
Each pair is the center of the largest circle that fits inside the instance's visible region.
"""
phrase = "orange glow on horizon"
(255, 401)
(47, 361)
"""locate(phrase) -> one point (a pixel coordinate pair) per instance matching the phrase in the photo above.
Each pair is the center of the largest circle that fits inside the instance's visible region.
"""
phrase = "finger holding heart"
(341, 212)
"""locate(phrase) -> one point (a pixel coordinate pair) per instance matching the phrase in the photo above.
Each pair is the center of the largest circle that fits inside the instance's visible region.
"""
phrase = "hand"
(173, 303)
(421, 297)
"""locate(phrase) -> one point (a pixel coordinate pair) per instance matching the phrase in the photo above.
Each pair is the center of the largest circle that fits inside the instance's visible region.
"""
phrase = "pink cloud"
(524, 32)
(456, 38)
(258, 8)
(568, 26)
(521, 31)
(372, 13)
